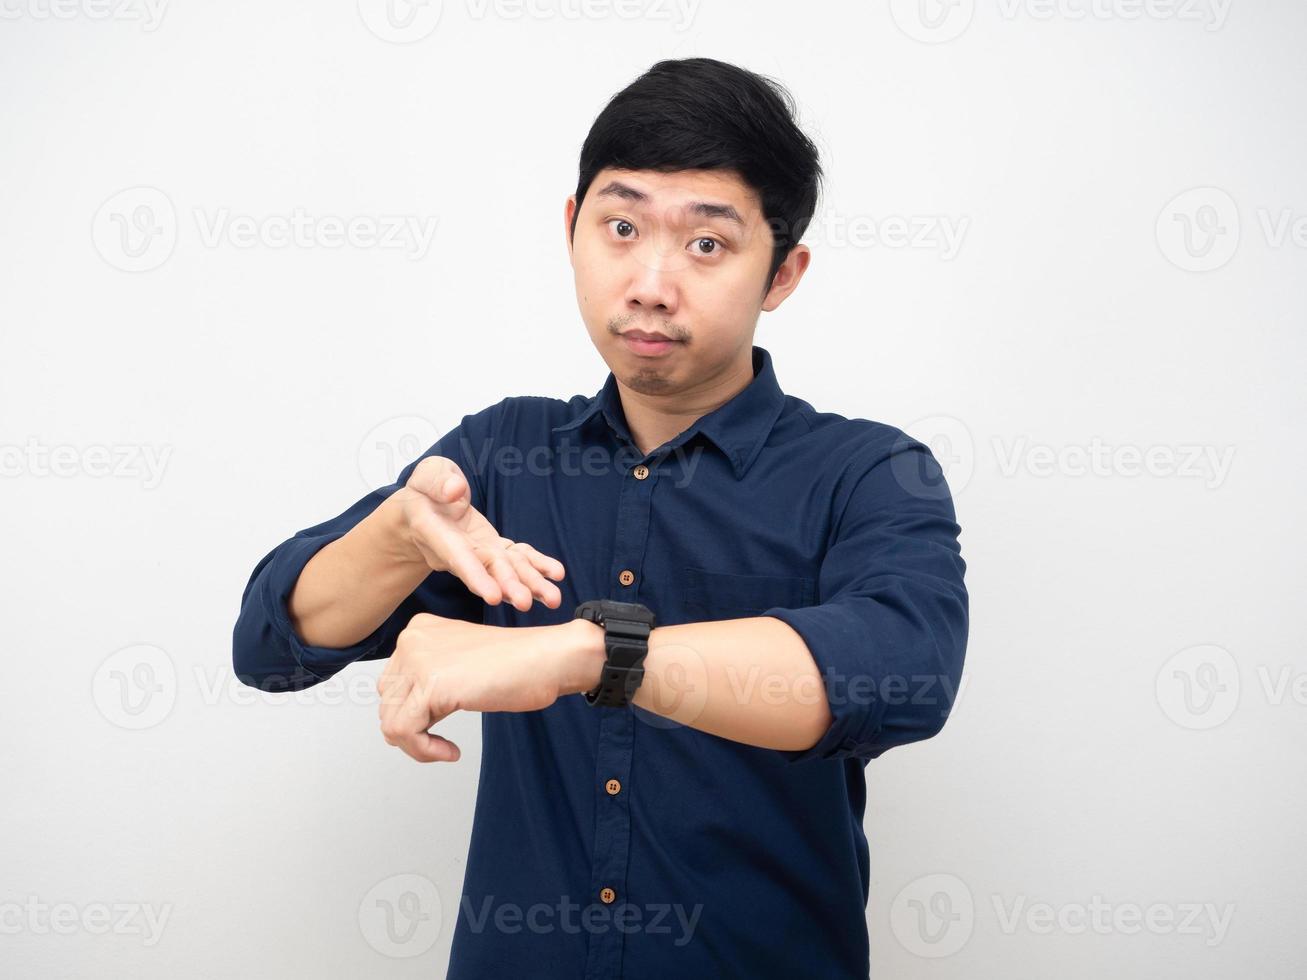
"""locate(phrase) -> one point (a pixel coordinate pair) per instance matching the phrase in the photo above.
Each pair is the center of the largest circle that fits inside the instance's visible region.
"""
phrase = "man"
(691, 608)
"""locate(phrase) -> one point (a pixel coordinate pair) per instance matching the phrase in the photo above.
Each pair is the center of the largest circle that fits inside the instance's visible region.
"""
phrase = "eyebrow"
(704, 209)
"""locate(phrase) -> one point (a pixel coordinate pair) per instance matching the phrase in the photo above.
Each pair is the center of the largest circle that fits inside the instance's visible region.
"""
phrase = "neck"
(657, 418)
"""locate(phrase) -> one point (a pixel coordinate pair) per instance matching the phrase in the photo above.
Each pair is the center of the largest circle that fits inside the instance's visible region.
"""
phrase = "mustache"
(617, 324)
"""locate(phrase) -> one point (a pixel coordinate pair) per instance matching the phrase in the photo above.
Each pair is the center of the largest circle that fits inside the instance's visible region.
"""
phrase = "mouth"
(648, 344)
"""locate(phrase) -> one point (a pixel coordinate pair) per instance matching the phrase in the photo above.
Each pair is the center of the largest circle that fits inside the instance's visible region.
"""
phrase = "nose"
(654, 284)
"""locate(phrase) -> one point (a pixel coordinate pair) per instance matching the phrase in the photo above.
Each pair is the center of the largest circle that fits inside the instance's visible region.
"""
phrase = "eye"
(711, 244)
(624, 228)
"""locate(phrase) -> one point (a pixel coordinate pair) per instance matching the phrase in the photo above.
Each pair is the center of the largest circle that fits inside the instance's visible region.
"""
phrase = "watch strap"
(627, 626)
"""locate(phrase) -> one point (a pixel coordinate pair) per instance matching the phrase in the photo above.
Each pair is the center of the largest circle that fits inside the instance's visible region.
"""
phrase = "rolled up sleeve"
(267, 653)
(890, 631)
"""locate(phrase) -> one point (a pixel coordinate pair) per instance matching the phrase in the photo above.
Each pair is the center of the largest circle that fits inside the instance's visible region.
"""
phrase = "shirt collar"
(738, 428)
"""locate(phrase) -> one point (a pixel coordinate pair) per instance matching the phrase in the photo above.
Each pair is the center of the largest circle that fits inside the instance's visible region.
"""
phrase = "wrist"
(581, 657)
(393, 534)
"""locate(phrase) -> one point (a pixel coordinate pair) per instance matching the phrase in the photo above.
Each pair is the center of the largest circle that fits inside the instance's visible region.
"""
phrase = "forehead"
(660, 192)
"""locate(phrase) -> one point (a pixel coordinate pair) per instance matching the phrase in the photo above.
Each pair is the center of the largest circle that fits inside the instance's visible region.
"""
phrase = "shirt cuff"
(837, 639)
(315, 662)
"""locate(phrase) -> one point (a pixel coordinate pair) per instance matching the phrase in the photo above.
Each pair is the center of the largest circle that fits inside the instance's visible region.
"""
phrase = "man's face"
(682, 255)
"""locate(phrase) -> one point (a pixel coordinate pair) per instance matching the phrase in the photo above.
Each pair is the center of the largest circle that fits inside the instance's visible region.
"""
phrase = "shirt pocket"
(726, 595)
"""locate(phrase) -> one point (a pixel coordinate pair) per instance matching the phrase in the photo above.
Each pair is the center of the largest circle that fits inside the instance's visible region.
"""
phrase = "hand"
(442, 665)
(450, 535)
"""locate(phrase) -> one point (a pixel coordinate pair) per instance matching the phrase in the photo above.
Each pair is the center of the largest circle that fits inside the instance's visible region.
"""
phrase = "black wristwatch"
(627, 626)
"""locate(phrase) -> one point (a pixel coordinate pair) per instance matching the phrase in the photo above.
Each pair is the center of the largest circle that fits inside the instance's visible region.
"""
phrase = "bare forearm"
(352, 585)
(749, 680)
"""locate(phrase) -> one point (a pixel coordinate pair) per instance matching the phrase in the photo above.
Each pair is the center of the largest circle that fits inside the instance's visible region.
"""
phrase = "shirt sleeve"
(268, 654)
(889, 635)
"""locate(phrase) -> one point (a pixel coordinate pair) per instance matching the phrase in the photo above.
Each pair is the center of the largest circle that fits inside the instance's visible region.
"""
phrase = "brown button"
(607, 895)
(641, 471)
(626, 576)
(613, 787)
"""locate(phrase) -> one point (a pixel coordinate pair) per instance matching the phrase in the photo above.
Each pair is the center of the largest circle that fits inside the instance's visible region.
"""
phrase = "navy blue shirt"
(612, 842)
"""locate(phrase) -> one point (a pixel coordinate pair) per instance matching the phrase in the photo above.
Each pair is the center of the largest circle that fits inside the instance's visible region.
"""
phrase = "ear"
(787, 276)
(569, 208)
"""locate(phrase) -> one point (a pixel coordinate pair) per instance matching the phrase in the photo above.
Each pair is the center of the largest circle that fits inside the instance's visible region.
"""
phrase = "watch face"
(632, 611)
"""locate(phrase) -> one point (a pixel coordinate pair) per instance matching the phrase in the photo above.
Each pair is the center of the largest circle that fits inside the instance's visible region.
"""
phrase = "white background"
(1128, 733)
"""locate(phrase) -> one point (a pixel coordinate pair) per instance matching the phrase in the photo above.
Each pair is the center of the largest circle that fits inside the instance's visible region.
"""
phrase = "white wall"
(1068, 315)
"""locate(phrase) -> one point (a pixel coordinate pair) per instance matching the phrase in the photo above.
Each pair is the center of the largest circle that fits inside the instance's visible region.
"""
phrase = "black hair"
(704, 114)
